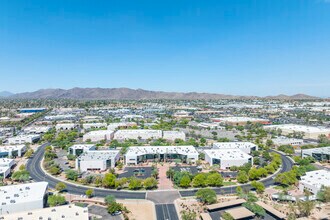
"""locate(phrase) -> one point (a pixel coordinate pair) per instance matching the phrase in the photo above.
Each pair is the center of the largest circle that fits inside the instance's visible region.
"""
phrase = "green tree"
(259, 186)
(115, 207)
(21, 176)
(150, 183)
(214, 179)
(188, 215)
(305, 207)
(135, 183)
(56, 200)
(324, 194)
(227, 216)
(89, 193)
(60, 186)
(71, 175)
(242, 177)
(109, 199)
(109, 180)
(199, 180)
(185, 181)
(207, 196)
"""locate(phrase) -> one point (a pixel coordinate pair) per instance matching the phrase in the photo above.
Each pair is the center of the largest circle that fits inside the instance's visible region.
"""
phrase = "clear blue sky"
(245, 47)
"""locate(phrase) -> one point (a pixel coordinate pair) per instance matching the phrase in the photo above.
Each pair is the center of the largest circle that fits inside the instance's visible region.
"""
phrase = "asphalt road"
(166, 212)
(37, 174)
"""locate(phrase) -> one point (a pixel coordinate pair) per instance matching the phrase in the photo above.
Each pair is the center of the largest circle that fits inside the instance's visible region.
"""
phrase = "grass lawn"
(229, 183)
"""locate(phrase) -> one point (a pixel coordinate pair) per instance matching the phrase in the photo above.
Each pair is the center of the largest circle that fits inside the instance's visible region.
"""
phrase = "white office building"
(65, 126)
(314, 180)
(309, 132)
(287, 141)
(137, 134)
(94, 125)
(240, 120)
(97, 160)
(22, 197)
(5, 166)
(320, 153)
(136, 155)
(24, 139)
(95, 136)
(12, 150)
(65, 212)
(78, 149)
(227, 158)
(173, 135)
(131, 117)
(37, 129)
(114, 126)
(246, 147)
(60, 117)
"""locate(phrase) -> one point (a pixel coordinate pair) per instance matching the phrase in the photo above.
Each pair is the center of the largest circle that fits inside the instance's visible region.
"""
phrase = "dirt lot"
(140, 209)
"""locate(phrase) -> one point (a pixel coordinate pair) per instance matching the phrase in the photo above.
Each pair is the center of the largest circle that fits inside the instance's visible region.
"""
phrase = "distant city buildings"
(65, 127)
(94, 125)
(240, 120)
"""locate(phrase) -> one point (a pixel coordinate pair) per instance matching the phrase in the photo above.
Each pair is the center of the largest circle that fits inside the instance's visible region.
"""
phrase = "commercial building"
(37, 129)
(287, 141)
(210, 126)
(65, 212)
(114, 126)
(31, 110)
(173, 135)
(136, 155)
(5, 166)
(320, 153)
(227, 158)
(12, 150)
(131, 117)
(95, 136)
(246, 147)
(65, 126)
(240, 120)
(94, 125)
(314, 180)
(97, 160)
(308, 132)
(60, 117)
(78, 149)
(22, 197)
(182, 114)
(137, 134)
(24, 139)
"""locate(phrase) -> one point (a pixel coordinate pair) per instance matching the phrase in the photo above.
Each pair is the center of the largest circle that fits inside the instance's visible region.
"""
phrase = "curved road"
(34, 167)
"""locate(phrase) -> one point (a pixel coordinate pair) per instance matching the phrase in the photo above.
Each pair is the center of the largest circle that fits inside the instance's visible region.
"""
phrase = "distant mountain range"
(6, 94)
(133, 94)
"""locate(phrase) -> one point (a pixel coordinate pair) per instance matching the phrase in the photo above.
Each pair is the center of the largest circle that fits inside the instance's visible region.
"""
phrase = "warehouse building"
(60, 117)
(136, 155)
(97, 160)
(314, 180)
(12, 150)
(173, 135)
(65, 212)
(287, 141)
(309, 132)
(227, 158)
(240, 120)
(137, 134)
(65, 126)
(5, 166)
(94, 125)
(37, 129)
(24, 139)
(31, 110)
(78, 149)
(246, 147)
(95, 136)
(22, 197)
(319, 154)
(114, 126)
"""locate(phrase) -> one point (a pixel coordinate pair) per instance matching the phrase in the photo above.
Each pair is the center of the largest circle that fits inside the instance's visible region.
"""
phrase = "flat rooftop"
(71, 212)
(240, 119)
(22, 193)
(240, 213)
(317, 178)
(98, 155)
(227, 154)
(7, 148)
(233, 145)
(223, 205)
(142, 150)
(299, 128)
(82, 146)
(319, 150)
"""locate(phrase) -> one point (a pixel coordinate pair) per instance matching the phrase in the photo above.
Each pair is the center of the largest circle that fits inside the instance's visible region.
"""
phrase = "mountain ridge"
(137, 94)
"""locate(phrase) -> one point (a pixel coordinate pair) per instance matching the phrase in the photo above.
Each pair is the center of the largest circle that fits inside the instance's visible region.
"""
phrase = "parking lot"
(139, 172)
(190, 169)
